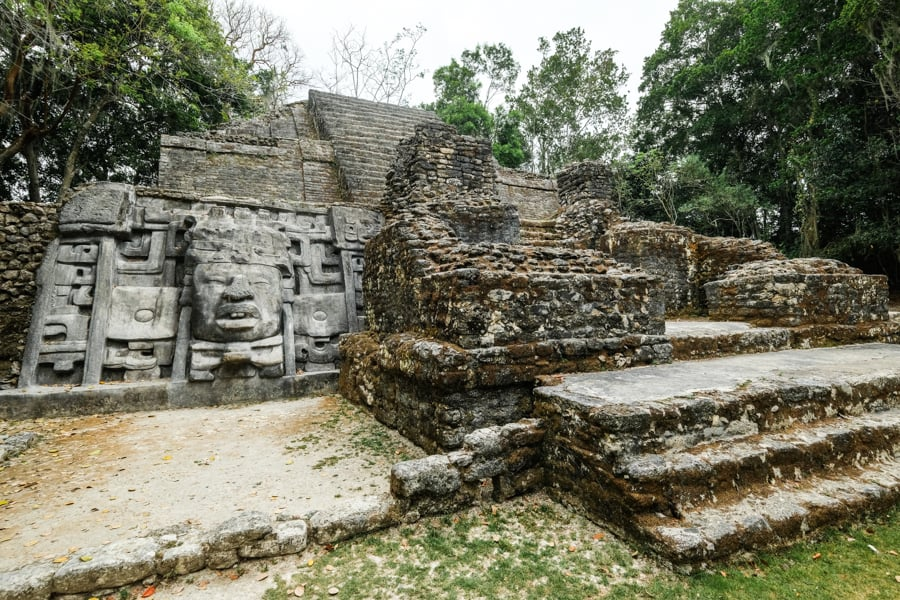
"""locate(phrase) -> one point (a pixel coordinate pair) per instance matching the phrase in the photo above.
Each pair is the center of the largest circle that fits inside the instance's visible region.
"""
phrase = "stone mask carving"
(237, 265)
(236, 302)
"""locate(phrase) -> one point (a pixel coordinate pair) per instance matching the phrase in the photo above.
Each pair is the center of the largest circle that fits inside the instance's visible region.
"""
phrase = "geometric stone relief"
(140, 288)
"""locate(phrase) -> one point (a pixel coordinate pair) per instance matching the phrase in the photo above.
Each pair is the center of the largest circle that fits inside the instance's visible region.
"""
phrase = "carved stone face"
(236, 302)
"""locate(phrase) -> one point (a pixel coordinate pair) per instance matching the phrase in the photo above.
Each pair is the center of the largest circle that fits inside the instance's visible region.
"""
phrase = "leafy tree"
(571, 104)
(457, 89)
(795, 99)
(496, 65)
(510, 147)
(85, 78)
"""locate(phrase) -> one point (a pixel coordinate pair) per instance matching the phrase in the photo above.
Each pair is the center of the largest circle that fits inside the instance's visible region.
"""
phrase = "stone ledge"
(180, 550)
(67, 400)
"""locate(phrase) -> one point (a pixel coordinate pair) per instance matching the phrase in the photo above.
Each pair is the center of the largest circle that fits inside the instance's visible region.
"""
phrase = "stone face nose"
(238, 289)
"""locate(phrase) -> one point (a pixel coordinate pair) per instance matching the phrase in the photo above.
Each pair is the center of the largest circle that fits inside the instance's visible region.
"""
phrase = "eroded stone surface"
(798, 292)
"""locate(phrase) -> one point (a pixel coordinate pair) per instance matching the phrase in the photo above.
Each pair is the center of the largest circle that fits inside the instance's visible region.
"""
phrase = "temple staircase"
(539, 232)
(701, 460)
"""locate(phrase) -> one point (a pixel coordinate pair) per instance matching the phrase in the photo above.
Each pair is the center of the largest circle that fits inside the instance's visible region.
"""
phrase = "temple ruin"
(346, 245)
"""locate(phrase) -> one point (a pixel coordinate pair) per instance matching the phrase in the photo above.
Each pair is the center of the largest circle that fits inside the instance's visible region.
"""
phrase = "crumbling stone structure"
(797, 292)
(462, 321)
(726, 278)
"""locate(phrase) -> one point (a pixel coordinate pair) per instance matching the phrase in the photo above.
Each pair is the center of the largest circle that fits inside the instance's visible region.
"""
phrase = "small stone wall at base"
(796, 292)
(436, 393)
(494, 464)
(26, 229)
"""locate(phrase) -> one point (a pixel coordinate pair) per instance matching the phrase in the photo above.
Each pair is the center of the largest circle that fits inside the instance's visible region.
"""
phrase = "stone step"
(772, 515)
(548, 224)
(655, 408)
(713, 472)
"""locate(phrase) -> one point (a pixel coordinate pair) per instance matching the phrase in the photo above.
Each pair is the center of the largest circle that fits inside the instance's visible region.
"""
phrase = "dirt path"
(94, 480)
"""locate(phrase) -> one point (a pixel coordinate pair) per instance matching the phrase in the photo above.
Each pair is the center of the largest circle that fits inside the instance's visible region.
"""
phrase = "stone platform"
(702, 459)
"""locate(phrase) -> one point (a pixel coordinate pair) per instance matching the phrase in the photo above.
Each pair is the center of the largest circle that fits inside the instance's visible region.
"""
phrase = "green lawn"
(533, 548)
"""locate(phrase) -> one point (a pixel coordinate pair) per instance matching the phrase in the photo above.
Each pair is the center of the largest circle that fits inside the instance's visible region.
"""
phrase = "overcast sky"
(631, 27)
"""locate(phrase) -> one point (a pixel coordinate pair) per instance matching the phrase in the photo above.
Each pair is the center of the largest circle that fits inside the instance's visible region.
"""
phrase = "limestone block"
(237, 531)
(31, 582)
(433, 475)
(109, 566)
(287, 537)
(182, 559)
(353, 518)
(102, 208)
(143, 313)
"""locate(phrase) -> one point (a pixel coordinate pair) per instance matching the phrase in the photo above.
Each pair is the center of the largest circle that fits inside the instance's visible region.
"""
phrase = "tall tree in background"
(795, 99)
(262, 41)
(376, 72)
(572, 106)
(84, 79)
(459, 101)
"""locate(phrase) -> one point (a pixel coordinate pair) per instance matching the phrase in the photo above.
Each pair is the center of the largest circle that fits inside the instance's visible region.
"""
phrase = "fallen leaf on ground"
(85, 558)
(149, 592)
(599, 536)
(299, 591)
(203, 584)
(261, 576)
(60, 560)
(817, 556)
(573, 548)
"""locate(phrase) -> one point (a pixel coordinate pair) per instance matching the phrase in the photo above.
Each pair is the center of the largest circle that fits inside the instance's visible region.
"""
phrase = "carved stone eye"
(144, 315)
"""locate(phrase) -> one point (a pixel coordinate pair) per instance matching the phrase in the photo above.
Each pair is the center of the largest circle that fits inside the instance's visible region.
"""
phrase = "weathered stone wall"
(25, 231)
(798, 292)
(683, 260)
(436, 162)
(494, 464)
(661, 249)
(272, 158)
(435, 392)
(534, 196)
(482, 295)
(461, 325)
(584, 181)
(284, 170)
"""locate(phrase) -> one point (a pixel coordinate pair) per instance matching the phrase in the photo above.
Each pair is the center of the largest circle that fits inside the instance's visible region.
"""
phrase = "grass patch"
(478, 554)
(533, 548)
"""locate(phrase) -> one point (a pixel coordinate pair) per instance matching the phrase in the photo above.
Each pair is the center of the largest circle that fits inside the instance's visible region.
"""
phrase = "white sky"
(631, 27)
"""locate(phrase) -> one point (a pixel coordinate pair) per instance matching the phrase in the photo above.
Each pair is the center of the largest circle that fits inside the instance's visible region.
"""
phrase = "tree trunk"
(34, 176)
(72, 158)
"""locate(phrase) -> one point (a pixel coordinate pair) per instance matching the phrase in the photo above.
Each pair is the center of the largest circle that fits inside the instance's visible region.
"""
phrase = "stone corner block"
(237, 531)
(110, 566)
(353, 518)
(182, 559)
(31, 582)
(433, 475)
(287, 537)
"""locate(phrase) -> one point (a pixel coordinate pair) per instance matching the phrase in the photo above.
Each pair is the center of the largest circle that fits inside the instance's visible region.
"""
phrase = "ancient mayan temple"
(341, 244)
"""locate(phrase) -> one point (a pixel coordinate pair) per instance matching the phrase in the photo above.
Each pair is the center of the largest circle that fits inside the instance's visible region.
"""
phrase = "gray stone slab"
(696, 328)
(647, 386)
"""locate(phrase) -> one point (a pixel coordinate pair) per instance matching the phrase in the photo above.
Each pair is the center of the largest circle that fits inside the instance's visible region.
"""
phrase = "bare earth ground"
(94, 480)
